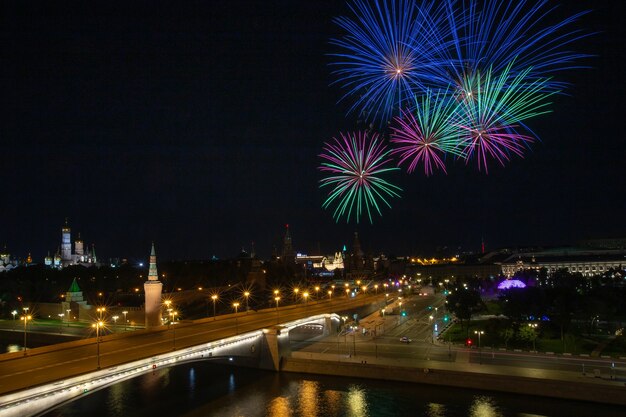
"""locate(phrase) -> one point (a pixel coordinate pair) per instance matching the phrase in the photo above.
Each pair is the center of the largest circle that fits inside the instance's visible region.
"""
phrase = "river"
(205, 389)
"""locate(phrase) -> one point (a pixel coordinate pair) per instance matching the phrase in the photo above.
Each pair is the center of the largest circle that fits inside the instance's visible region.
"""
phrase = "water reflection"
(308, 399)
(484, 407)
(332, 399)
(232, 392)
(357, 404)
(279, 407)
(435, 410)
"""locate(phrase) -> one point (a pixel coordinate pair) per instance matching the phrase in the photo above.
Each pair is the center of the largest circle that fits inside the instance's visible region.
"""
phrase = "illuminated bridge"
(55, 374)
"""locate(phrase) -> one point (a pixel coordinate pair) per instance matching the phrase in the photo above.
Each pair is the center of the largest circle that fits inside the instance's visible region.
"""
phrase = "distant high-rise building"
(153, 289)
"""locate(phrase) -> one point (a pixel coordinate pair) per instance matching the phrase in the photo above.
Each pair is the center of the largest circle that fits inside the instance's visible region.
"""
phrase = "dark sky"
(198, 125)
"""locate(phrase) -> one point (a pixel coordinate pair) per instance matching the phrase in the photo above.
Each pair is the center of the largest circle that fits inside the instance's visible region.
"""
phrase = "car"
(405, 339)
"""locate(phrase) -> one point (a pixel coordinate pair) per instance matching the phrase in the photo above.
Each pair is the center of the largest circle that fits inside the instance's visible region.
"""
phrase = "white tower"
(153, 289)
(66, 243)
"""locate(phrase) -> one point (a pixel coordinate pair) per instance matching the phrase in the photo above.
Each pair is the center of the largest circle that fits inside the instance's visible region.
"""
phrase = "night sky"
(198, 125)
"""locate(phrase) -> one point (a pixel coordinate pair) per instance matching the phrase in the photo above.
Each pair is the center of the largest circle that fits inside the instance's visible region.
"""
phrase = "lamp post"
(100, 311)
(68, 311)
(97, 325)
(247, 295)
(26, 318)
(14, 312)
(480, 356)
(533, 326)
(173, 315)
(214, 298)
(115, 321)
(306, 300)
(236, 306)
(348, 293)
(125, 321)
(61, 315)
(296, 291)
(277, 299)
(375, 288)
(330, 295)
(317, 290)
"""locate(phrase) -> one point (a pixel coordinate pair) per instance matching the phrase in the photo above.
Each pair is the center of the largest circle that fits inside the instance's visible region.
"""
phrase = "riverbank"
(538, 382)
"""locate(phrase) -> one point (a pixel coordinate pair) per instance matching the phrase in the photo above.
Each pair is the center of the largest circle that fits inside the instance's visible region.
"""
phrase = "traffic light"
(403, 313)
(430, 307)
(469, 342)
(445, 318)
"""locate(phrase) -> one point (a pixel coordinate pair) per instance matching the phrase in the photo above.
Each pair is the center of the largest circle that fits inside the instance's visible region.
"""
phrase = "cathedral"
(65, 257)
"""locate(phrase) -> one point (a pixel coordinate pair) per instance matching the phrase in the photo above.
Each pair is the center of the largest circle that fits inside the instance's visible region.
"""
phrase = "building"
(65, 257)
(587, 262)
(153, 289)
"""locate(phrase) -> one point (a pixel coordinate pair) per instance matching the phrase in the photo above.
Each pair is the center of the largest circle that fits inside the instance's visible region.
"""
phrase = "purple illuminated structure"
(511, 283)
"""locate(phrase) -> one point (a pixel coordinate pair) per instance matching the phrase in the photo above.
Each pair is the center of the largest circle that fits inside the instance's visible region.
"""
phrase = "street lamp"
(376, 288)
(100, 311)
(61, 315)
(480, 356)
(306, 300)
(236, 306)
(533, 326)
(26, 319)
(247, 295)
(317, 290)
(277, 299)
(97, 325)
(330, 294)
(296, 290)
(14, 312)
(68, 311)
(214, 298)
(347, 292)
(115, 320)
(125, 321)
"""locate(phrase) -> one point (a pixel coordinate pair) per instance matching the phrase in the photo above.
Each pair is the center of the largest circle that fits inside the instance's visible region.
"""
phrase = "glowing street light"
(14, 312)
(296, 291)
(317, 290)
(98, 325)
(125, 321)
(236, 306)
(115, 320)
(330, 294)
(347, 292)
(247, 295)
(100, 311)
(306, 300)
(26, 318)
(214, 298)
(376, 288)
(277, 299)
(480, 356)
(68, 317)
(534, 327)
(61, 315)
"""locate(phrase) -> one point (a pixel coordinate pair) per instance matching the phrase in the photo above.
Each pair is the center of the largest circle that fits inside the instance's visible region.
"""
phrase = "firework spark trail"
(427, 134)
(492, 119)
(502, 31)
(355, 164)
(388, 51)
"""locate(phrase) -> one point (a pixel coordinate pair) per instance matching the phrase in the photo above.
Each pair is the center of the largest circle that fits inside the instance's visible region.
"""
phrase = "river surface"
(205, 389)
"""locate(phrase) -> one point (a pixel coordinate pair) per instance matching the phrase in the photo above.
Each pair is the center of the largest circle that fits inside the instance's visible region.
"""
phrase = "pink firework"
(425, 136)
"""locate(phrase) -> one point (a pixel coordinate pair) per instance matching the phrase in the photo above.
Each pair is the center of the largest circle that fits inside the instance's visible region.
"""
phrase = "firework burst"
(355, 164)
(491, 120)
(387, 52)
(427, 134)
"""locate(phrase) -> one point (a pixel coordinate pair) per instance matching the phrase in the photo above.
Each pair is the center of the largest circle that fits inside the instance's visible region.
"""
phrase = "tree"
(464, 303)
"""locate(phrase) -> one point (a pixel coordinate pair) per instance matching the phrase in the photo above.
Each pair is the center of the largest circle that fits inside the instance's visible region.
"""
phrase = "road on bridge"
(57, 362)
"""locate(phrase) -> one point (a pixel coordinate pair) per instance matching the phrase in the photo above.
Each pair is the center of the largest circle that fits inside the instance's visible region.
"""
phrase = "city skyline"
(202, 133)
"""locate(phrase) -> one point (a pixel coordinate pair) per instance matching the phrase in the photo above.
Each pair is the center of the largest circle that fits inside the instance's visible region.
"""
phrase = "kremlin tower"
(153, 288)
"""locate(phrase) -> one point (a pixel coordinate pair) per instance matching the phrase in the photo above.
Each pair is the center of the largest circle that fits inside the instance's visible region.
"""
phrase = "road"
(419, 328)
(74, 358)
